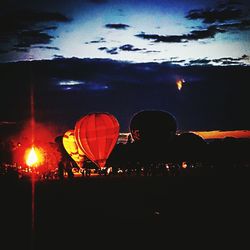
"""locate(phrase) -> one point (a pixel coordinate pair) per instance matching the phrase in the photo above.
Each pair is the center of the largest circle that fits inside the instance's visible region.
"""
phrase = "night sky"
(125, 56)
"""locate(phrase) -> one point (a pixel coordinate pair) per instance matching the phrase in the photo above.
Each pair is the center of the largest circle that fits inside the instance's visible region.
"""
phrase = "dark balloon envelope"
(149, 126)
(190, 146)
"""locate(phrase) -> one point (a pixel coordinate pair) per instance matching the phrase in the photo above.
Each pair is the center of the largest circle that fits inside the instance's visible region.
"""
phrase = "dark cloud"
(50, 28)
(230, 63)
(203, 61)
(58, 57)
(240, 25)
(28, 27)
(221, 61)
(160, 38)
(103, 48)
(45, 47)
(21, 20)
(100, 40)
(112, 51)
(129, 47)
(151, 51)
(178, 61)
(229, 16)
(125, 47)
(118, 26)
(28, 38)
(64, 92)
(215, 15)
(245, 57)
(231, 60)
(170, 62)
(209, 32)
(224, 18)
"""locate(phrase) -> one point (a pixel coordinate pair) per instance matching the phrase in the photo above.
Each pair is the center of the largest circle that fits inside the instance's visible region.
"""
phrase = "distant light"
(109, 170)
(119, 171)
(96, 86)
(70, 83)
(184, 164)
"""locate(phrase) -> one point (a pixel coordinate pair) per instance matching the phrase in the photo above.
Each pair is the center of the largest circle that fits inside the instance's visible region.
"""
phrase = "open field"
(106, 211)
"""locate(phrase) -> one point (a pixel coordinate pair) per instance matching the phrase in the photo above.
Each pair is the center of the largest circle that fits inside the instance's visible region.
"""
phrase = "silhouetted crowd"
(185, 154)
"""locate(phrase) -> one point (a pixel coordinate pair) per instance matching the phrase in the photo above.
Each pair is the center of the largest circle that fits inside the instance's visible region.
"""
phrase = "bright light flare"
(34, 157)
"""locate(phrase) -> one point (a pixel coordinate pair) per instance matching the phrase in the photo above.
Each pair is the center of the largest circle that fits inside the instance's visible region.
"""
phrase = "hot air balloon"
(150, 126)
(96, 134)
(153, 132)
(70, 145)
(190, 146)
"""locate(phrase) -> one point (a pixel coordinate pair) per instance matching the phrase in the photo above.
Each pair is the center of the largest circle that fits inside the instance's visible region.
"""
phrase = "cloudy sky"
(125, 56)
(215, 32)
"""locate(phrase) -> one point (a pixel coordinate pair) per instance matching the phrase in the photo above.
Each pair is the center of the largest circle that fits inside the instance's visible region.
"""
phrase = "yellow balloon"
(72, 148)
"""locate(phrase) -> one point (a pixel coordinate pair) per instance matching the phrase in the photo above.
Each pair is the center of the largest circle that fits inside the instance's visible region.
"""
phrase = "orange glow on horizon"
(217, 134)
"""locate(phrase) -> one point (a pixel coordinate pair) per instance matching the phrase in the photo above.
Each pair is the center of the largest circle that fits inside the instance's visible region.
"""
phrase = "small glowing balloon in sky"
(180, 83)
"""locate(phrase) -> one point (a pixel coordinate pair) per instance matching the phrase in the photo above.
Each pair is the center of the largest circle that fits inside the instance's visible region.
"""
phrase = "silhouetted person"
(69, 168)
(129, 140)
(61, 170)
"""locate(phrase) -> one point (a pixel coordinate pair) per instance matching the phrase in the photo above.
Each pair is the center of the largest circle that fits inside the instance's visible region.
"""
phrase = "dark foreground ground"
(127, 212)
